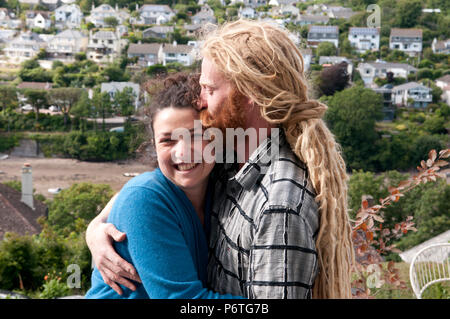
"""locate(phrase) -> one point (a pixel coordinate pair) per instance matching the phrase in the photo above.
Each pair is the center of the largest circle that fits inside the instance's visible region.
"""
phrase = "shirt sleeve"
(283, 257)
(158, 249)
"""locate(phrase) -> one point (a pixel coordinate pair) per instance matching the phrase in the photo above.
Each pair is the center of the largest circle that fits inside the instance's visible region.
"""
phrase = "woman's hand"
(112, 267)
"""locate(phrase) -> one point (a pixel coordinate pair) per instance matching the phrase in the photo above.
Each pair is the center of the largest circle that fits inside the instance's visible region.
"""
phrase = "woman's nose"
(181, 152)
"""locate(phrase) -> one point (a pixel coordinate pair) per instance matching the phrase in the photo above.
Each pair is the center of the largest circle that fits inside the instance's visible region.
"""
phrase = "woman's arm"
(99, 238)
(157, 246)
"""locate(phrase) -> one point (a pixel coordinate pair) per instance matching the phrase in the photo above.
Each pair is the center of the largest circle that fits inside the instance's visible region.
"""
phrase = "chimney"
(27, 186)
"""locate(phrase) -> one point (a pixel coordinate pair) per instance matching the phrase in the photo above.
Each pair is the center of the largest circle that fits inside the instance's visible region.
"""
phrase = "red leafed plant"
(371, 240)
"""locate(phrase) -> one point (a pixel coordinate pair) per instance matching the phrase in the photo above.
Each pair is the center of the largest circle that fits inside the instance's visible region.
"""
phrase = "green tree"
(429, 204)
(351, 116)
(81, 201)
(37, 98)
(407, 13)
(111, 21)
(65, 98)
(326, 49)
(82, 110)
(435, 125)
(115, 73)
(8, 99)
(124, 102)
(102, 105)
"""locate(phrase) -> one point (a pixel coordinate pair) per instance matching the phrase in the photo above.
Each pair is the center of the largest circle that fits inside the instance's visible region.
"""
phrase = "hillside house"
(38, 19)
(318, 34)
(371, 70)
(23, 47)
(66, 44)
(148, 53)
(412, 94)
(364, 39)
(205, 15)
(155, 14)
(406, 40)
(68, 16)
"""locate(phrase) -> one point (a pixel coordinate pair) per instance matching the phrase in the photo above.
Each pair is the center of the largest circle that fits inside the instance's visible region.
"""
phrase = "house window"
(110, 41)
(171, 55)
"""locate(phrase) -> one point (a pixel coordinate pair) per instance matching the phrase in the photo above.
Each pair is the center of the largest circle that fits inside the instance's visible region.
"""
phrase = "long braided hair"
(265, 65)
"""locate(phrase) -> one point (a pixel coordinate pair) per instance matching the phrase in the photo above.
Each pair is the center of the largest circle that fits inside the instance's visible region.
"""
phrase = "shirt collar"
(259, 161)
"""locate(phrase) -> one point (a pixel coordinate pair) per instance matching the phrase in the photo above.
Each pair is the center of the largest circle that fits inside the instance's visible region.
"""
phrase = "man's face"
(221, 105)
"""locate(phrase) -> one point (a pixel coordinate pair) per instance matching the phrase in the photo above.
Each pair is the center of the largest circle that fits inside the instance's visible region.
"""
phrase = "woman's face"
(176, 152)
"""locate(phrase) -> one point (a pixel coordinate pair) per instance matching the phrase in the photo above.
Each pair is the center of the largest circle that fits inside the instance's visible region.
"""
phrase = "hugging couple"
(274, 225)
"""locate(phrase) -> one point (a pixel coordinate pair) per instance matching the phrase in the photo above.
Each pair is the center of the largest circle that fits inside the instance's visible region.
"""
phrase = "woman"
(164, 212)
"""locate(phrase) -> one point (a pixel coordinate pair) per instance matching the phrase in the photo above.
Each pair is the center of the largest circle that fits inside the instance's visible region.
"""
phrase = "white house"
(420, 94)
(66, 44)
(25, 46)
(205, 15)
(6, 35)
(112, 87)
(246, 13)
(105, 46)
(98, 15)
(286, 9)
(38, 19)
(406, 40)
(311, 19)
(8, 19)
(158, 31)
(338, 12)
(440, 47)
(181, 53)
(371, 70)
(155, 14)
(68, 16)
(318, 33)
(147, 53)
(364, 39)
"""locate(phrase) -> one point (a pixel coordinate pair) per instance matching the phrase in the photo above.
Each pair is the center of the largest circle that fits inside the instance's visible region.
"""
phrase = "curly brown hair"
(180, 90)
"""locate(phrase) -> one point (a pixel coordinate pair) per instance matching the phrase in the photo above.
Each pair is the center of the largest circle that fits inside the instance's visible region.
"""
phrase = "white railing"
(429, 266)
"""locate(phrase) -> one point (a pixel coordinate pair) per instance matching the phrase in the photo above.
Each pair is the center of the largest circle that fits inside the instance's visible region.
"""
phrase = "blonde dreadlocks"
(266, 66)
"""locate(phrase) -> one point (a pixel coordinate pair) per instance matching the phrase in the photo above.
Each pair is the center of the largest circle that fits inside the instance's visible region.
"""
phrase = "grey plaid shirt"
(264, 223)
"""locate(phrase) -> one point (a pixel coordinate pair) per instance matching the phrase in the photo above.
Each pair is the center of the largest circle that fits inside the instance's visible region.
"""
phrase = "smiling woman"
(165, 212)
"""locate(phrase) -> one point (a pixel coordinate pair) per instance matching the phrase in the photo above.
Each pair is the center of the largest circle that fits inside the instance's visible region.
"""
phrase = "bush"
(53, 288)
(8, 141)
(435, 125)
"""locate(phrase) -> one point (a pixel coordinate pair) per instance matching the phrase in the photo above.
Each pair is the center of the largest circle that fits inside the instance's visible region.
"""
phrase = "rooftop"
(16, 216)
(364, 31)
(145, 48)
(323, 29)
(395, 32)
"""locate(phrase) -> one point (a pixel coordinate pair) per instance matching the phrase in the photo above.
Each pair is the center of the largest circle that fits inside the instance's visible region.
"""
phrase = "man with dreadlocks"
(279, 228)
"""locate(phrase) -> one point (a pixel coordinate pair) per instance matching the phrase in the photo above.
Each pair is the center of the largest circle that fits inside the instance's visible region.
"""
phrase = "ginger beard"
(230, 115)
